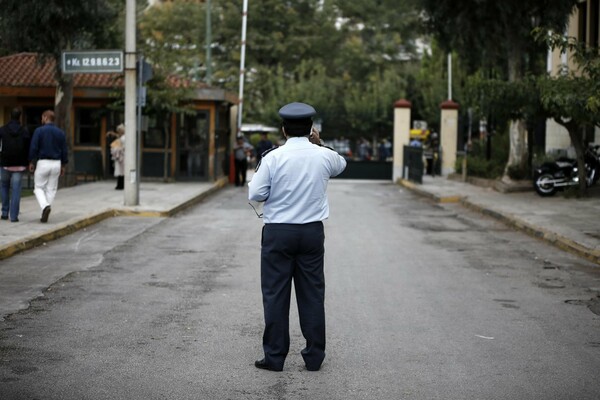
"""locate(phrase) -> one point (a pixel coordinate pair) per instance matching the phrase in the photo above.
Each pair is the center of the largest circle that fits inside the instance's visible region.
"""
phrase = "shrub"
(477, 163)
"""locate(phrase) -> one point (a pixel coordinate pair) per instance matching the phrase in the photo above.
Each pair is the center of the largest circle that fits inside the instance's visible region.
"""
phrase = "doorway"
(192, 146)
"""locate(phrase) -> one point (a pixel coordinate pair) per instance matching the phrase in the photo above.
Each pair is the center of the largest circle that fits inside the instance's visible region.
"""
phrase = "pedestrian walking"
(292, 182)
(241, 152)
(47, 159)
(14, 142)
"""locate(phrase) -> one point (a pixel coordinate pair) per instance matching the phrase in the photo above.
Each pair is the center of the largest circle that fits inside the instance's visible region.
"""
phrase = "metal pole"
(131, 143)
(208, 44)
(139, 114)
(242, 63)
(449, 76)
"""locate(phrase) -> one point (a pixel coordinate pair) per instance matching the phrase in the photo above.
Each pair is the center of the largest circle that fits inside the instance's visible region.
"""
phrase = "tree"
(52, 27)
(171, 39)
(428, 84)
(282, 37)
(347, 58)
(489, 33)
(572, 98)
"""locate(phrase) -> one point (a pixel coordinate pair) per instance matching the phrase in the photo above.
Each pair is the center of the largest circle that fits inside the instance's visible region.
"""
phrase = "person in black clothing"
(241, 152)
(263, 145)
(14, 159)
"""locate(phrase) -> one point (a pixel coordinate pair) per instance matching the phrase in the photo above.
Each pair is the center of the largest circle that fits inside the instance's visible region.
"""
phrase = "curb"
(29, 242)
(438, 199)
(552, 238)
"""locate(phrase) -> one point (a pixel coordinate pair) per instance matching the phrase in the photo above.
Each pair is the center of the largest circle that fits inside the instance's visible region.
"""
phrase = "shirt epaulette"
(264, 153)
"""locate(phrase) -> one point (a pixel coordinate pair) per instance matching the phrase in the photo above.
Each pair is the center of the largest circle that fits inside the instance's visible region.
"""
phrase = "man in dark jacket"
(14, 158)
(48, 158)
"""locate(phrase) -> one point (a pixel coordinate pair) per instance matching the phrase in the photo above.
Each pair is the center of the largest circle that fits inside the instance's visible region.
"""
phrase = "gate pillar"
(448, 135)
(401, 135)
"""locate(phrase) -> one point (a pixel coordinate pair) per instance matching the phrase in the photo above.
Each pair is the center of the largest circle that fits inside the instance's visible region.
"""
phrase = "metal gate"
(413, 164)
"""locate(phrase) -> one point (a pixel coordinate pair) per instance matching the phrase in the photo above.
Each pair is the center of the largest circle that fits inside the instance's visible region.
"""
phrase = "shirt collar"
(297, 139)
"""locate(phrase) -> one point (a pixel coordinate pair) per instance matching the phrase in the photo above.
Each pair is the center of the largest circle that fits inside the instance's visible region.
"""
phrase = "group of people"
(44, 154)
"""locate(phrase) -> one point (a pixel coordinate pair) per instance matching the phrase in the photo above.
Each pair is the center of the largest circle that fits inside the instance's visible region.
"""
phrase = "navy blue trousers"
(293, 252)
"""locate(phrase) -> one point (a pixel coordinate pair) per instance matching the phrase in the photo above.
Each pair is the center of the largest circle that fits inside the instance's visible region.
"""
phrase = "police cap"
(294, 111)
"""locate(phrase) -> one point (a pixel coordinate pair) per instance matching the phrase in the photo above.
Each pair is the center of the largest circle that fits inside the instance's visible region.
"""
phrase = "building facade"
(584, 23)
(194, 145)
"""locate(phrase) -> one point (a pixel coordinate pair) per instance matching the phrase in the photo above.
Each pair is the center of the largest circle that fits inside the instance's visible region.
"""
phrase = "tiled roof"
(25, 70)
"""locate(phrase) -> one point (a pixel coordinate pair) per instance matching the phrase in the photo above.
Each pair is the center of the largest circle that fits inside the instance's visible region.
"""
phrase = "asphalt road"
(423, 302)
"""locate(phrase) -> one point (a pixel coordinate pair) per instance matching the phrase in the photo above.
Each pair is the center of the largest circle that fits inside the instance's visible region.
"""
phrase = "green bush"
(477, 163)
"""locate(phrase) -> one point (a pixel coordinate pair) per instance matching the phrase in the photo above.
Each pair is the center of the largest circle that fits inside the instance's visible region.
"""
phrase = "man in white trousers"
(48, 158)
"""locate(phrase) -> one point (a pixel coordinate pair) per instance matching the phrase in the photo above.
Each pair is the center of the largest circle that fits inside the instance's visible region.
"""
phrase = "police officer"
(292, 182)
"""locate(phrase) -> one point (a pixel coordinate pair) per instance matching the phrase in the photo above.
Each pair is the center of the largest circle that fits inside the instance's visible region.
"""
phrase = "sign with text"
(92, 62)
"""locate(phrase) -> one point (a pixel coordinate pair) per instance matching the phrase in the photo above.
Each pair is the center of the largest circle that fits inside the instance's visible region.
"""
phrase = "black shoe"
(263, 365)
(4, 217)
(120, 183)
(312, 369)
(14, 220)
(45, 214)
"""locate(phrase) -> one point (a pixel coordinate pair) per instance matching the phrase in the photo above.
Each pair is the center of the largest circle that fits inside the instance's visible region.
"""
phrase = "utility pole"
(208, 43)
(132, 182)
(242, 66)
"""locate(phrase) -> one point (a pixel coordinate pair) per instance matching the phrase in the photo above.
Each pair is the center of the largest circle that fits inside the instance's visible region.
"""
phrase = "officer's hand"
(314, 136)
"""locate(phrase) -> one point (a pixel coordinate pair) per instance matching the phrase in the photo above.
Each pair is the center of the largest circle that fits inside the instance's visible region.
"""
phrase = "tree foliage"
(55, 25)
(51, 27)
(171, 39)
(489, 33)
(495, 37)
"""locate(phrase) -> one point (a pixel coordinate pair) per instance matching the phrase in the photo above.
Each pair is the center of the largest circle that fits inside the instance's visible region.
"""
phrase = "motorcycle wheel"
(543, 185)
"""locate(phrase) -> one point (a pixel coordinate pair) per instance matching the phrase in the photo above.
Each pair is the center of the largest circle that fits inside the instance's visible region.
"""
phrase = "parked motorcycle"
(556, 175)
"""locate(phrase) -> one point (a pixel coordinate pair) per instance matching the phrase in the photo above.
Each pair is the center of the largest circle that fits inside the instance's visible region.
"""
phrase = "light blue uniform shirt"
(292, 181)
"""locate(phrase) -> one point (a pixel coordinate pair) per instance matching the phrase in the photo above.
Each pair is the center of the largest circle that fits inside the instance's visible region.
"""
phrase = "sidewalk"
(568, 223)
(85, 204)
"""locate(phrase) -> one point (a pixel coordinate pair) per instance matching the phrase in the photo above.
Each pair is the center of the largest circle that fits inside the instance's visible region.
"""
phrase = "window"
(32, 117)
(154, 132)
(87, 126)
